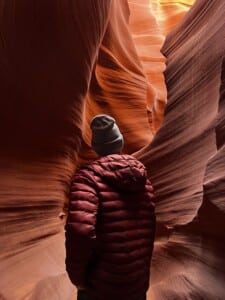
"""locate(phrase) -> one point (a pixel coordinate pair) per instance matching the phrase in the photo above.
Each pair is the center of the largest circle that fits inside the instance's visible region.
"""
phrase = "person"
(111, 221)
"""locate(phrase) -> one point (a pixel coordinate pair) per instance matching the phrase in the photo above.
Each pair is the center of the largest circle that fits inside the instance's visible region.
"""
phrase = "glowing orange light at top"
(169, 13)
(150, 22)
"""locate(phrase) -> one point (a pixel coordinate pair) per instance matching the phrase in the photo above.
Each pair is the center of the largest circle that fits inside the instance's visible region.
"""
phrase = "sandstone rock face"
(47, 52)
(185, 161)
(62, 62)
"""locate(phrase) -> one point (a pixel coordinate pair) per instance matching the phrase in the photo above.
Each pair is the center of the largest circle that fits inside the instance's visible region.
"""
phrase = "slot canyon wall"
(185, 160)
(61, 62)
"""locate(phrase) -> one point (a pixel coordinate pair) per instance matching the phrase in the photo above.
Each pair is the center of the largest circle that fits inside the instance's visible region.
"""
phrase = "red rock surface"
(185, 161)
(61, 62)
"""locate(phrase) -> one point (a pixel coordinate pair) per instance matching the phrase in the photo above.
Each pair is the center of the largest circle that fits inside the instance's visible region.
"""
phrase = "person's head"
(106, 136)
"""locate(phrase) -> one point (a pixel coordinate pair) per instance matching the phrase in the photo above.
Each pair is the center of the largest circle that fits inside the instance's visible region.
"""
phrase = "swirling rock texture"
(63, 61)
(118, 81)
(186, 161)
(47, 52)
(150, 22)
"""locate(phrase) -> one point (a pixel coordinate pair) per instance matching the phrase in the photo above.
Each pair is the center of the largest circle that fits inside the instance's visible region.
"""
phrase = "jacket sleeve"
(80, 227)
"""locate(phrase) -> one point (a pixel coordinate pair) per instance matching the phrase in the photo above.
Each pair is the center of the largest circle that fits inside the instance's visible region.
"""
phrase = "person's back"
(110, 228)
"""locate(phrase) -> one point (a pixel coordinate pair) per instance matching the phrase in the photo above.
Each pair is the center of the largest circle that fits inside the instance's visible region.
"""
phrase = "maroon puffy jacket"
(110, 228)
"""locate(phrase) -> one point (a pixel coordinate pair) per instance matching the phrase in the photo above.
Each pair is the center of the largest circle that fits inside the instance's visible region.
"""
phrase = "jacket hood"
(122, 171)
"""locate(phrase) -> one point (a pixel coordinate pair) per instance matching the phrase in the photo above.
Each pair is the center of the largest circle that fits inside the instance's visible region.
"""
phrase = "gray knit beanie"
(106, 136)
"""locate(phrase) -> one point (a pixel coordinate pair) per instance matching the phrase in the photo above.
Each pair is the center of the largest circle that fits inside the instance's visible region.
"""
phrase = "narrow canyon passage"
(158, 68)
